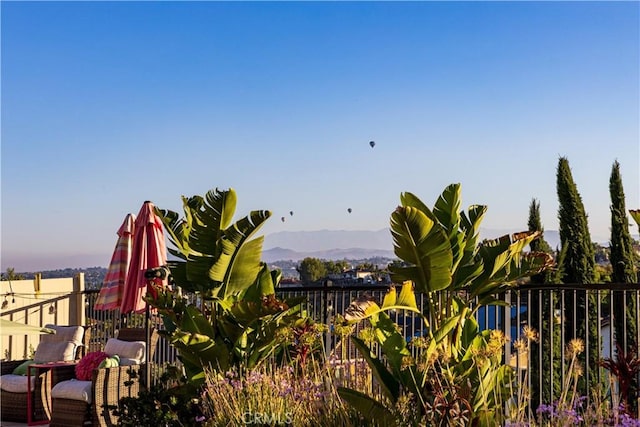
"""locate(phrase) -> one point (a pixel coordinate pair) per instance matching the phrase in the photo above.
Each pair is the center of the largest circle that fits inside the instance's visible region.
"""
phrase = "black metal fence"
(601, 315)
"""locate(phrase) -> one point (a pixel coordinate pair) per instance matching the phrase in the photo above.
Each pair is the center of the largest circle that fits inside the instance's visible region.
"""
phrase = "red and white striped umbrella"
(149, 251)
(110, 296)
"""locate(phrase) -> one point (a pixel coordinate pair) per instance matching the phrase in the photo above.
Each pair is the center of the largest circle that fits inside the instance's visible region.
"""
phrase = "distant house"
(288, 282)
(345, 275)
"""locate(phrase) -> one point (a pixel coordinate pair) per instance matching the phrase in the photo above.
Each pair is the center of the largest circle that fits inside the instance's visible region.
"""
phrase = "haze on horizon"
(108, 104)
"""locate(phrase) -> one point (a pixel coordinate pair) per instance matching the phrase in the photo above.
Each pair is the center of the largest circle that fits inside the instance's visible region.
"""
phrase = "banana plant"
(444, 259)
(635, 214)
(244, 334)
(216, 257)
(235, 317)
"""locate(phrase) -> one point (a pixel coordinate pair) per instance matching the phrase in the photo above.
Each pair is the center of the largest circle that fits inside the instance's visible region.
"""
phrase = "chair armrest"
(7, 367)
(109, 386)
(118, 376)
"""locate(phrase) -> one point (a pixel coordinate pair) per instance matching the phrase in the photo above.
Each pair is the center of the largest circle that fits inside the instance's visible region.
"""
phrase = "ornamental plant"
(458, 376)
(625, 367)
(274, 394)
(635, 214)
(235, 318)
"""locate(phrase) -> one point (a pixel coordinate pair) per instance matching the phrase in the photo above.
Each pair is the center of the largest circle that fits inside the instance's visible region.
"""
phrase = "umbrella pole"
(147, 325)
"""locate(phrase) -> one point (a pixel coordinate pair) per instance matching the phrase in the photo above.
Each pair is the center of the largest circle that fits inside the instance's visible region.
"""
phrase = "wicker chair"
(108, 386)
(13, 404)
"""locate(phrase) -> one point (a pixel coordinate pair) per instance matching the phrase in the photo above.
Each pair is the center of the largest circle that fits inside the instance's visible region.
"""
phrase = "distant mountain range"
(281, 246)
(344, 244)
(281, 254)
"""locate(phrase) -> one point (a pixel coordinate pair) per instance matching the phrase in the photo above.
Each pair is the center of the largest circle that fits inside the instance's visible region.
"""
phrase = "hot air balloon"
(349, 210)
(282, 219)
(291, 213)
(372, 144)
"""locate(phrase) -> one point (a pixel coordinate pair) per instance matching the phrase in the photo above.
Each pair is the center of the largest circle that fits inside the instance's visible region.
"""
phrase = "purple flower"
(628, 421)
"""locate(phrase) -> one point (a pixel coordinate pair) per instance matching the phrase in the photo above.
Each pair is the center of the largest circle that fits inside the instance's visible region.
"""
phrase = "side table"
(59, 371)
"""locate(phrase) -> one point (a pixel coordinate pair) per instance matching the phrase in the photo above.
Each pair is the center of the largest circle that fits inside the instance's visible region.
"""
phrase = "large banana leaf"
(470, 225)
(265, 284)
(240, 259)
(447, 209)
(411, 200)
(424, 246)
(217, 254)
(198, 350)
(498, 256)
(246, 267)
(211, 216)
(365, 309)
(389, 385)
(393, 344)
(223, 205)
(194, 321)
(368, 407)
(635, 214)
(177, 231)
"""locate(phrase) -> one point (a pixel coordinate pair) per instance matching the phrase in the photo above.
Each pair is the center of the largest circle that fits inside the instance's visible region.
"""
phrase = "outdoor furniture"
(60, 371)
(20, 392)
(76, 402)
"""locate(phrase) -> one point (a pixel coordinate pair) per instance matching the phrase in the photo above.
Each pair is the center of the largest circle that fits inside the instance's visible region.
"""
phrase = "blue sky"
(105, 105)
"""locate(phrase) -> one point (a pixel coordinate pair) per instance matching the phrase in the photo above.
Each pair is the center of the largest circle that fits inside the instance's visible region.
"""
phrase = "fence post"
(326, 316)
(506, 324)
(76, 301)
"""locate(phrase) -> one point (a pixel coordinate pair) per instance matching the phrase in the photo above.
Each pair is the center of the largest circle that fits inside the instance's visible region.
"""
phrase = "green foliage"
(578, 264)
(622, 255)
(311, 270)
(271, 394)
(167, 403)
(11, 274)
(237, 318)
(539, 245)
(551, 335)
(219, 258)
(458, 374)
(625, 367)
(635, 214)
(337, 267)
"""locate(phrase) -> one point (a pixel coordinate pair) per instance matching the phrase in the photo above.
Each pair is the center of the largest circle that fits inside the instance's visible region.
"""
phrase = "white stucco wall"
(57, 301)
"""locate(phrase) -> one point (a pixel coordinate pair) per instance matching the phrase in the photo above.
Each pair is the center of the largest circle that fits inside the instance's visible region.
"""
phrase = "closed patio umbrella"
(110, 296)
(149, 251)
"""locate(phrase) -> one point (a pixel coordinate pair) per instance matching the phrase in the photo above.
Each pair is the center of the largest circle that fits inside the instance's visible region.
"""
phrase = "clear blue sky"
(105, 105)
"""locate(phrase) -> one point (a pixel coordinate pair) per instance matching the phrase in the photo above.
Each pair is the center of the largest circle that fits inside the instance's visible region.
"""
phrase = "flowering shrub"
(560, 413)
(275, 395)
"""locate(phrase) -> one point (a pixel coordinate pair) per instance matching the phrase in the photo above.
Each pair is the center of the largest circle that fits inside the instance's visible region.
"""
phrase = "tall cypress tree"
(542, 304)
(578, 267)
(622, 255)
(622, 262)
(579, 263)
(539, 245)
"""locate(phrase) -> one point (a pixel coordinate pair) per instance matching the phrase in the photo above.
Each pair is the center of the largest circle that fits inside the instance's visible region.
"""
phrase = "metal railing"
(601, 315)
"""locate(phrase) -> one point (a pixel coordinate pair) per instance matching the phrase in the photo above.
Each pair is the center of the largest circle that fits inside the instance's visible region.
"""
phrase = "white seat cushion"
(15, 383)
(125, 349)
(72, 389)
(55, 352)
(63, 334)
